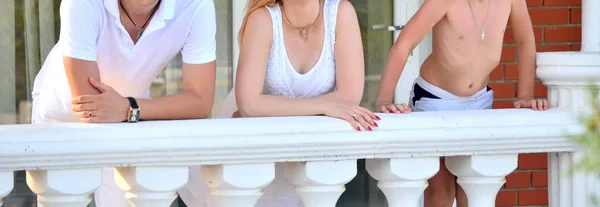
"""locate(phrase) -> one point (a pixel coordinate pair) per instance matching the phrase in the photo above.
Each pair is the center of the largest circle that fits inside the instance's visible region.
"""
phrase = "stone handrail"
(64, 161)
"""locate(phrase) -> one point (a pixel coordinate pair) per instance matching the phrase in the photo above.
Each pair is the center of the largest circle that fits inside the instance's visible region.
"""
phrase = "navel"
(461, 37)
(471, 85)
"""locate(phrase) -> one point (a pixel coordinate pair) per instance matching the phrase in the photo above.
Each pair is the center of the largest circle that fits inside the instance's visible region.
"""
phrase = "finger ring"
(354, 115)
(90, 114)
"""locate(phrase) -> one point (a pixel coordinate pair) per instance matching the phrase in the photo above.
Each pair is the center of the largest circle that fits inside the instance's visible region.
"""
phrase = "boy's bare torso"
(461, 61)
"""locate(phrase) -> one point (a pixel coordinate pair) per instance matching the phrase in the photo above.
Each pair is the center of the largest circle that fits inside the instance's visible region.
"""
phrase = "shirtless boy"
(467, 44)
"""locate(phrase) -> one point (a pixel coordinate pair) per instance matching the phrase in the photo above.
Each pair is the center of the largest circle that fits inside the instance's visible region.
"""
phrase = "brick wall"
(557, 27)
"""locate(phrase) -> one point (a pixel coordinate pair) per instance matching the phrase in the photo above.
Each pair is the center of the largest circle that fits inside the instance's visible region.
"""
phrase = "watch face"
(134, 115)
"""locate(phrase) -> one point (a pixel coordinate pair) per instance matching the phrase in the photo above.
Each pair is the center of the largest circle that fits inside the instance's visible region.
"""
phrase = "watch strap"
(133, 103)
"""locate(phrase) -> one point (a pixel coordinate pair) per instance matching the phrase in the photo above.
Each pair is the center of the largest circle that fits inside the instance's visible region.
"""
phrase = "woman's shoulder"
(260, 17)
(345, 7)
(345, 12)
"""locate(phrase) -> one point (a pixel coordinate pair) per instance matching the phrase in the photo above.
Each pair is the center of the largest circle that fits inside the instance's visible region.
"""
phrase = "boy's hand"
(530, 102)
(393, 108)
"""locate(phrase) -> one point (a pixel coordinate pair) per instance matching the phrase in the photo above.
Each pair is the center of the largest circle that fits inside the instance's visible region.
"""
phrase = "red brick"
(518, 180)
(509, 36)
(506, 198)
(562, 2)
(534, 2)
(540, 90)
(552, 48)
(503, 90)
(496, 73)
(533, 197)
(533, 161)
(503, 105)
(539, 179)
(575, 16)
(508, 54)
(562, 34)
(511, 72)
(549, 16)
(576, 47)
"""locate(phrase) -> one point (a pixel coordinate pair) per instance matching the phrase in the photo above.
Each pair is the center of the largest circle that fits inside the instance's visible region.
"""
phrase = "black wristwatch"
(134, 111)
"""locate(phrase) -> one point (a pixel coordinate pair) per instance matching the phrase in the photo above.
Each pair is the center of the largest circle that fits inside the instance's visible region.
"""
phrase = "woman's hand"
(106, 107)
(393, 108)
(355, 115)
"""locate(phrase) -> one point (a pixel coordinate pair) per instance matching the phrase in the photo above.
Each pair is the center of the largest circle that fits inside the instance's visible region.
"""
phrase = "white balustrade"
(238, 156)
(482, 176)
(568, 76)
(403, 180)
(6, 184)
(237, 185)
(151, 186)
(320, 183)
(64, 188)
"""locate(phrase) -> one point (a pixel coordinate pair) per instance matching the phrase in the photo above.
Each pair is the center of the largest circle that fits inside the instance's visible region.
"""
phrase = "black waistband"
(419, 93)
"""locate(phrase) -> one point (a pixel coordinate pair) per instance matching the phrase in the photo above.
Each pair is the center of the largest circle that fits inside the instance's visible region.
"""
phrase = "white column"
(6, 184)
(151, 186)
(8, 107)
(46, 17)
(320, 184)
(403, 180)
(32, 42)
(482, 176)
(590, 26)
(237, 185)
(568, 76)
(64, 188)
(238, 9)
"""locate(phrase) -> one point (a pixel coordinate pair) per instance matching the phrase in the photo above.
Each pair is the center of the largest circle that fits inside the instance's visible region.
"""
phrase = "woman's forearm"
(339, 96)
(185, 105)
(268, 105)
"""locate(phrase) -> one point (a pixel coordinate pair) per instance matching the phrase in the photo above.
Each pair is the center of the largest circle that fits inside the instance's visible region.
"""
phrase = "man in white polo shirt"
(109, 52)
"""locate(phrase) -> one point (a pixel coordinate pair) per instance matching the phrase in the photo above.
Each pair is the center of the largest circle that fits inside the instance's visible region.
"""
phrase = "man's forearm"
(185, 105)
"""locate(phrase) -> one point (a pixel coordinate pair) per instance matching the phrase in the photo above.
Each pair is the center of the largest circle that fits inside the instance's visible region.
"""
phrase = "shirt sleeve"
(201, 44)
(79, 28)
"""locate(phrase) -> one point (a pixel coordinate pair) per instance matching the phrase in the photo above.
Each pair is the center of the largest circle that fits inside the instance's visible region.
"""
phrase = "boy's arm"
(525, 41)
(430, 13)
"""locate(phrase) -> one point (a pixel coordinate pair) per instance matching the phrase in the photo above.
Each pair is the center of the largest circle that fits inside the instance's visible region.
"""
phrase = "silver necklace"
(482, 30)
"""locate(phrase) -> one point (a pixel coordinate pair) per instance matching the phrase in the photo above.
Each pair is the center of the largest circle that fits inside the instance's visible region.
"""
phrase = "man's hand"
(530, 102)
(106, 107)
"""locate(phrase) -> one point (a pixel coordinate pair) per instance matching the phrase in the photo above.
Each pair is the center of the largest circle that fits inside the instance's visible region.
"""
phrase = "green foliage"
(590, 141)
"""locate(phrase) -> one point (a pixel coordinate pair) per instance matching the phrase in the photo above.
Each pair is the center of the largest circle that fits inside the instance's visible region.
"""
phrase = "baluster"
(320, 184)
(482, 176)
(6, 184)
(64, 188)
(151, 186)
(237, 185)
(403, 180)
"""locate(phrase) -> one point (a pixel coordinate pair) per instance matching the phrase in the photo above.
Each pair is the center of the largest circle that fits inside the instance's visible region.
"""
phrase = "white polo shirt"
(92, 30)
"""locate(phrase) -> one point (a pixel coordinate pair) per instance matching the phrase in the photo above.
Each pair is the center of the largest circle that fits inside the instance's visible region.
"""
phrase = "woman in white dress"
(108, 54)
(299, 57)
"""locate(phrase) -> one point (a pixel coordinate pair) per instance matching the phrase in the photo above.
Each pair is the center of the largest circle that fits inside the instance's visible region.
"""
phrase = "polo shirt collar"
(165, 12)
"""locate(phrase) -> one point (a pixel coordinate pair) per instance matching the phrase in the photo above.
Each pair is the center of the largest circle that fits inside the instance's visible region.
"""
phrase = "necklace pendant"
(304, 33)
(482, 35)
(139, 34)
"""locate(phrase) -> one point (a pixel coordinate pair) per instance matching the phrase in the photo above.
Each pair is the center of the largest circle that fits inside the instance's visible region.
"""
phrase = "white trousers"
(447, 101)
